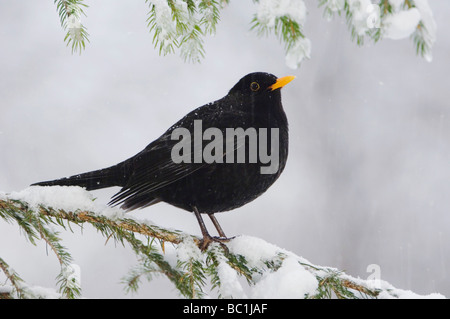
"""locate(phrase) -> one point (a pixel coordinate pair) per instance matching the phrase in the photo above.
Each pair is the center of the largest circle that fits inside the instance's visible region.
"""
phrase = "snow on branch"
(70, 12)
(183, 24)
(247, 267)
(387, 19)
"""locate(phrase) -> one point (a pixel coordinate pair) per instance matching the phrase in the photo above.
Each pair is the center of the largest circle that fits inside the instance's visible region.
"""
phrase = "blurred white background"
(367, 180)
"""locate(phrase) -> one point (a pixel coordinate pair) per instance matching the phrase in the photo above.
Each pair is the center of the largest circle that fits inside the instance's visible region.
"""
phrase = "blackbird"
(203, 186)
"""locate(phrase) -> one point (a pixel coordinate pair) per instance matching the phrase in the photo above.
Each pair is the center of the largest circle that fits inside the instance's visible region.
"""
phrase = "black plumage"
(152, 175)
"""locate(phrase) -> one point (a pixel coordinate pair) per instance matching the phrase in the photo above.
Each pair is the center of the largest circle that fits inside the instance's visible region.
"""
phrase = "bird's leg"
(217, 225)
(207, 239)
(202, 224)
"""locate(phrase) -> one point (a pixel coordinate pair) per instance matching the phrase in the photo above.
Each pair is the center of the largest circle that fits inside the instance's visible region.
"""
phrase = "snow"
(208, 17)
(72, 273)
(254, 249)
(269, 10)
(231, 286)
(187, 249)
(291, 277)
(417, 20)
(165, 24)
(335, 5)
(68, 198)
(38, 292)
(388, 291)
(267, 14)
(429, 26)
(402, 24)
(64, 197)
(290, 281)
(299, 51)
(32, 292)
(365, 15)
(191, 48)
(403, 21)
(396, 4)
(182, 8)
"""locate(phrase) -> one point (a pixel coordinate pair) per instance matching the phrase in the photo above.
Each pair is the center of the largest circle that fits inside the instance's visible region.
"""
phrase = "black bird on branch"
(201, 174)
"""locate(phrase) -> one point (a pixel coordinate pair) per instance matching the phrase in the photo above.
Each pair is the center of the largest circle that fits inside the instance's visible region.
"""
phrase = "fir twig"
(36, 226)
(190, 272)
(422, 37)
(183, 24)
(70, 12)
(13, 278)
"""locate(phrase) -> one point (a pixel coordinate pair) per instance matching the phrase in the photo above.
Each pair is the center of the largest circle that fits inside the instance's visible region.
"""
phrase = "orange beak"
(281, 82)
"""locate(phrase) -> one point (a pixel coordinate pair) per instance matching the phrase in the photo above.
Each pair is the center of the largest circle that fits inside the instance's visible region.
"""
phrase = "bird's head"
(260, 84)
(259, 94)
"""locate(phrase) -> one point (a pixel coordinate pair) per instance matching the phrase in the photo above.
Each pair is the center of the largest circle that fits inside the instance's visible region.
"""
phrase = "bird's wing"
(154, 168)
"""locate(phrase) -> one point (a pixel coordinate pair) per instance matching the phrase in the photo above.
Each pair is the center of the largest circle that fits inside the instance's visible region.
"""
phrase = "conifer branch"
(36, 226)
(373, 22)
(70, 12)
(192, 269)
(104, 224)
(13, 278)
(182, 25)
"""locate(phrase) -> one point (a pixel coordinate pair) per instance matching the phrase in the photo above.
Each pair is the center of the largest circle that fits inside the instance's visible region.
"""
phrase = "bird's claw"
(207, 240)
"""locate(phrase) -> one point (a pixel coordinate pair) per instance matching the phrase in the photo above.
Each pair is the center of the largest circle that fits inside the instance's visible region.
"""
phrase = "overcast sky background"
(368, 175)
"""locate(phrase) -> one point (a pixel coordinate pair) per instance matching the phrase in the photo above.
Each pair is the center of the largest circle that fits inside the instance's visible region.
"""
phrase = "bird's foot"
(207, 240)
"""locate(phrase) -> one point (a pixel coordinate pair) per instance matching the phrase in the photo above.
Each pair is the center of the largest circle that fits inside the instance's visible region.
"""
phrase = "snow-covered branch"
(183, 24)
(267, 270)
(387, 19)
(70, 12)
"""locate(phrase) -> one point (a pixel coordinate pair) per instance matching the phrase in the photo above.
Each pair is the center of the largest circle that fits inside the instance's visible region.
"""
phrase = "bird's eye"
(254, 86)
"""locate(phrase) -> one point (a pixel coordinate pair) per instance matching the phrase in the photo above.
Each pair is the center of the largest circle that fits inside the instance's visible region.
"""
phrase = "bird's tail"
(116, 175)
